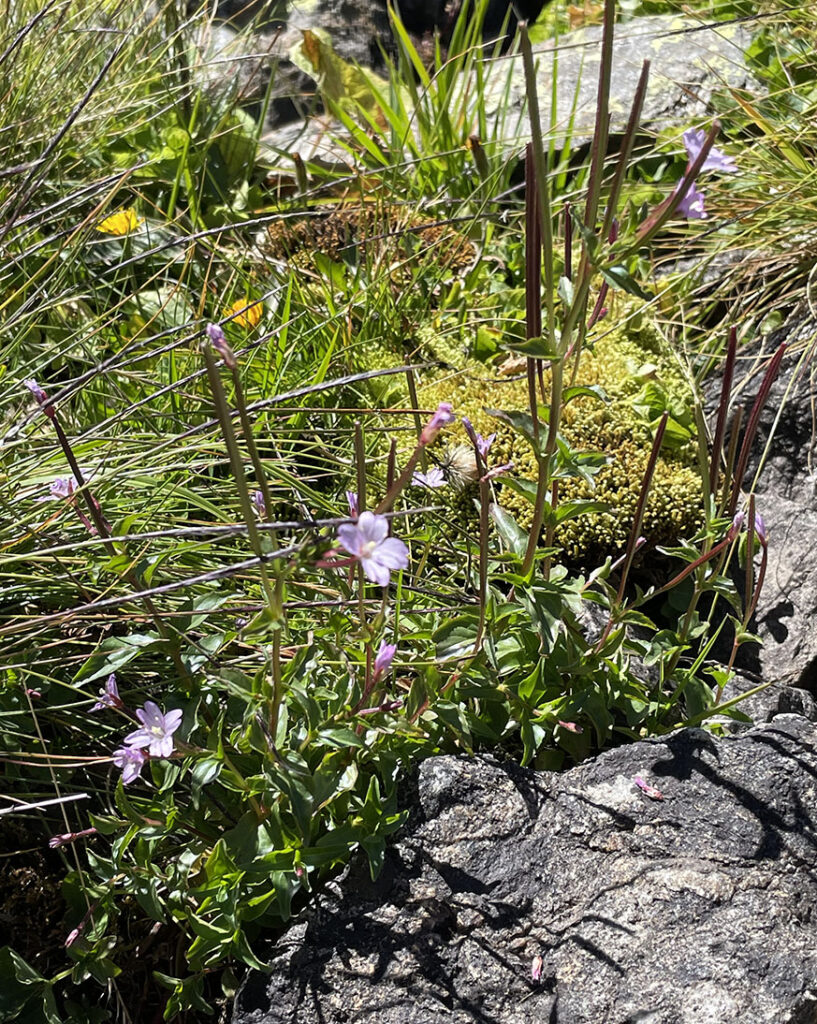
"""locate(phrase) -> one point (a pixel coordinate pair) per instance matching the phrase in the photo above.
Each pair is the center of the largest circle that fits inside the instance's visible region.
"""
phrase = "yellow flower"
(244, 315)
(121, 223)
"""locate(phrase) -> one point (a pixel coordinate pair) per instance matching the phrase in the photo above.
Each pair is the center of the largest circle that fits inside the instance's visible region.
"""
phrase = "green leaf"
(22, 988)
(219, 863)
(456, 638)
(619, 277)
(522, 423)
(511, 533)
(566, 290)
(115, 652)
(534, 348)
(205, 771)
(148, 898)
(578, 507)
(340, 738)
(585, 391)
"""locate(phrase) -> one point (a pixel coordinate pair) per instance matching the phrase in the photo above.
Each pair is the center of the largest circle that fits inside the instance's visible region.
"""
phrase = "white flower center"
(368, 549)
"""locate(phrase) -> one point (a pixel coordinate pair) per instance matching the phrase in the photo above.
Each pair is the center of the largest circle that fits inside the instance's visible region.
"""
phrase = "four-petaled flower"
(433, 478)
(716, 159)
(382, 663)
(368, 541)
(131, 761)
(157, 730)
(109, 696)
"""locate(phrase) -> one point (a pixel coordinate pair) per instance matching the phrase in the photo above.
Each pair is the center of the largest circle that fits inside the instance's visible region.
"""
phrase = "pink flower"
(536, 968)
(36, 390)
(41, 396)
(571, 727)
(716, 159)
(131, 761)
(69, 837)
(382, 663)
(62, 487)
(738, 522)
(651, 791)
(737, 525)
(433, 478)
(109, 696)
(441, 418)
(219, 343)
(368, 541)
(692, 205)
(760, 529)
(484, 443)
(157, 730)
(492, 474)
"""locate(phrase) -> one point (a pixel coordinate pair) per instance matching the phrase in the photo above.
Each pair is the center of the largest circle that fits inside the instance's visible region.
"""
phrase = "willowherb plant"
(259, 709)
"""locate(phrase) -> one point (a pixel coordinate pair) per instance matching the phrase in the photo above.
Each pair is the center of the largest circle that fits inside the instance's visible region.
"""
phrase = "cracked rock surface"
(698, 908)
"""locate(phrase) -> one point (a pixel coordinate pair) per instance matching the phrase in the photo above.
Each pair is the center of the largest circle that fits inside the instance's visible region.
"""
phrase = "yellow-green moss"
(620, 363)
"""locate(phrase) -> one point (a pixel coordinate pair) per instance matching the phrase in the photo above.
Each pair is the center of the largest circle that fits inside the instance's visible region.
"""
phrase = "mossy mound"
(640, 377)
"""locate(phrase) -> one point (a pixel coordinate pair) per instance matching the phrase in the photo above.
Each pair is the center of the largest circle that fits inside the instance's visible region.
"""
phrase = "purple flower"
(484, 443)
(382, 663)
(109, 696)
(351, 498)
(219, 343)
(368, 541)
(645, 787)
(692, 205)
(36, 390)
(69, 837)
(41, 396)
(760, 529)
(433, 478)
(716, 159)
(62, 487)
(492, 474)
(130, 760)
(738, 522)
(737, 525)
(259, 504)
(157, 730)
(441, 418)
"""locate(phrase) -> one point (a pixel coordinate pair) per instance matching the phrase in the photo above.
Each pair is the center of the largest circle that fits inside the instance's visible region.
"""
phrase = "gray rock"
(785, 490)
(696, 908)
(688, 63)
